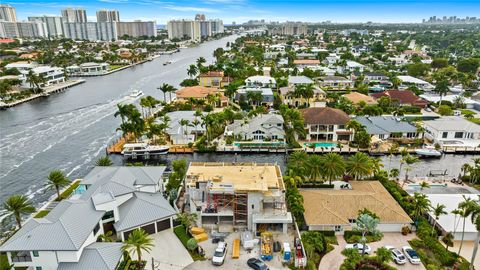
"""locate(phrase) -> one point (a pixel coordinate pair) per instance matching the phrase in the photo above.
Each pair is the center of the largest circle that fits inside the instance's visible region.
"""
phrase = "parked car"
(220, 254)
(359, 246)
(257, 264)
(397, 255)
(411, 255)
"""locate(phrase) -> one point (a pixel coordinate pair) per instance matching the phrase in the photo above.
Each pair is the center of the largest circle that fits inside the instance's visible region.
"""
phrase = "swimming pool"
(320, 144)
(417, 186)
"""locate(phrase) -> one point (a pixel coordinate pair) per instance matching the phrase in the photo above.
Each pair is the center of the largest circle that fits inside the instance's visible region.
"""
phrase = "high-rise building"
(54, 25)
(35, 29)
(105, 15)
(294, 29)
(137, 29)
(194, 30)
(92, 31)
(7, 13)
(200, 17)
(74, 15)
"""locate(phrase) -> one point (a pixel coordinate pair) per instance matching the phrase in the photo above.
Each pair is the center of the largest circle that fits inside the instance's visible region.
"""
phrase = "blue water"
(320, 144)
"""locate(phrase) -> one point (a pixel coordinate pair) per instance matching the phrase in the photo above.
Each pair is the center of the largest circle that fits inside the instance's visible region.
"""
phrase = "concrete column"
(285, 228)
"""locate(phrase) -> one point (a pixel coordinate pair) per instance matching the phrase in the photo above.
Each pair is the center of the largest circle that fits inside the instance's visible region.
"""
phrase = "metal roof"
(141, 209)
(385, 125)
(98, 256)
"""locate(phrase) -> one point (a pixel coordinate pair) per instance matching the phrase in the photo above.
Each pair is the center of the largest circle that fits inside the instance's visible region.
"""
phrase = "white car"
(220, 254)
(411, 255)
(359, 246)
(397, 255)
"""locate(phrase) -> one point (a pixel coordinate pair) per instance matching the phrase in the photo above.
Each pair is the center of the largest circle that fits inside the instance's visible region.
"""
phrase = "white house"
(452, 131)
(406, 81)
(259, 128)
(184, 134)
(261, 81)
(22, 66)
(88, 69)
(119, 199)
(52, 75)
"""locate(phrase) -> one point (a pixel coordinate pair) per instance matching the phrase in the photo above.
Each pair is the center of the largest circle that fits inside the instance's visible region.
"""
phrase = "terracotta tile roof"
(356, 97)
(212, 74)
(336, 207)
(404, 97)
(324, 116)
(197, 92)
(306, 62)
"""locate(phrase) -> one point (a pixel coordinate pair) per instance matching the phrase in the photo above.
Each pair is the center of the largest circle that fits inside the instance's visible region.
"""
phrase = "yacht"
(143, 149)
(168, 62)
(135, 94)
(428, 151)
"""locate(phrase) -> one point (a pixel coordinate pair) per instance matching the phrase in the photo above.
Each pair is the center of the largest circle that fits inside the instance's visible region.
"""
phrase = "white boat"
(428, 151)
(135, 94)
(168, 62)
(456, 89)
(143, 149)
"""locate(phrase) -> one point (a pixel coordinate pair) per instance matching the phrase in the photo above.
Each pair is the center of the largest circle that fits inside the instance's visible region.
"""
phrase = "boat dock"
(47, 91)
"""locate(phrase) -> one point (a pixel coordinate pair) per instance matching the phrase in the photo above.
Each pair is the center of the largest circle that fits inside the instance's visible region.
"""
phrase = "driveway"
(168, 252)
(334, 258)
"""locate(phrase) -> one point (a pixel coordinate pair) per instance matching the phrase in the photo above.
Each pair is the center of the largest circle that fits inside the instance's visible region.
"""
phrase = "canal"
(70, 130)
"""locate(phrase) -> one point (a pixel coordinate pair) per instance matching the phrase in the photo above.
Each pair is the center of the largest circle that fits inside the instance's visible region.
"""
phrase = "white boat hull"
(428, 153)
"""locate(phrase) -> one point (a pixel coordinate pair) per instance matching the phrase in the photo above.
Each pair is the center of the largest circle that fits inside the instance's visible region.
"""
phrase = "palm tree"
(392, 150)
(104, 162)
(18, 205)
(424, 185)
(192, 71)
(200, 61)
(57, 180)
(366, 224)
(166, 88)
(420, 204)
(442, 89)
(314, 167)
(359, 165)
(438, 211)
(138, 241)
(465, 209)
(394, 173)
(334, 166)
(184, 123)
(447, 239)
(475, 216)
(144, 103)
(106, 237)
(123, 111)
(187, 219)
(409, 160)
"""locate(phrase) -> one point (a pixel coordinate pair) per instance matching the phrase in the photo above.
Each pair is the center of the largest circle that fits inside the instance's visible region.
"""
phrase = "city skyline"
(228, 11)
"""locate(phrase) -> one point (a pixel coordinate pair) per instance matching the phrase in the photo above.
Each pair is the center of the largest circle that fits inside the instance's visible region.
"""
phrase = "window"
(96, 229)
(35, 253)
(444, 135)
(352, 220)
(38, 268)
(458, 135)
(108, 215)
(338, 228)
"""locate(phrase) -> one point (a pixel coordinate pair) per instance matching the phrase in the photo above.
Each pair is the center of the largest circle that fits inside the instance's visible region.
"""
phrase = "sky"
(239, 11)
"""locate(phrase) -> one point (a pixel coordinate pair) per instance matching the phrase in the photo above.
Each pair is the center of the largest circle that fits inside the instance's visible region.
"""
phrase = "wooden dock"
(180, 150)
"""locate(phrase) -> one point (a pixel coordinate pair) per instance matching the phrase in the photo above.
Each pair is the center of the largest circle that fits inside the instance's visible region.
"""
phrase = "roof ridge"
(160, 206)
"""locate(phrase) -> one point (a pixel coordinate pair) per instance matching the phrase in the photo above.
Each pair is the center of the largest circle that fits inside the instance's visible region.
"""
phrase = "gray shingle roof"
(66, 227)
(98, 256)
(384, 125)
(264, 122)
(143, 208)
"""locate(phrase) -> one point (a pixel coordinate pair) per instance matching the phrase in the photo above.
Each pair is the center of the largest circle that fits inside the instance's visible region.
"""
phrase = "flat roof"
(243, 176)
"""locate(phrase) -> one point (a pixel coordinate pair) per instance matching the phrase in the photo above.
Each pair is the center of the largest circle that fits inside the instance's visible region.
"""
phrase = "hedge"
(355, 237)
(42, 213)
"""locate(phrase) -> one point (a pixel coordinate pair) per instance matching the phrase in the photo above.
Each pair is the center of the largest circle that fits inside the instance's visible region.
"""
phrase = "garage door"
(150, 229)
(163, 225)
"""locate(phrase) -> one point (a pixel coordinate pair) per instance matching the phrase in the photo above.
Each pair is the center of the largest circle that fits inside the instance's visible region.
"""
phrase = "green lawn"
(65, 194)
(113, 67)
(474, 120)
(184, 237)
(42, 213)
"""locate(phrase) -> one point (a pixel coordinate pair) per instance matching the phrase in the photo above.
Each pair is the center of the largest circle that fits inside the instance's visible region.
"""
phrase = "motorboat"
(428, 151)
(168, 62)
(143, 150)
(135, 94)
(456, 89)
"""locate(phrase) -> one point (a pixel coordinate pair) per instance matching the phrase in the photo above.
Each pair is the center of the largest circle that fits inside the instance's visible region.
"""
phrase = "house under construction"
(238, 195)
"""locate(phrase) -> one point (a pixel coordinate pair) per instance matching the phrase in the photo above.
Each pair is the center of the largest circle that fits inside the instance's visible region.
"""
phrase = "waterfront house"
(213, 79)
(357, 98)
(326, 124)
(117, 199)
(201, 92)
(306, 63)
(339, 207)
(291, 99)
(452, 131)
(228, 196)
(88, 69)
(184, 134)
(335, 83)
(402, 98)
(407, 81)
(267, 95)
(260, 81)
(52, 75)
(263, 127)
(385, 127)
(22, 65)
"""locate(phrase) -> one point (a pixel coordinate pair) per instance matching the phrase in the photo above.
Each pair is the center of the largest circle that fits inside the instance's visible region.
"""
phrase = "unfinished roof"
(336, 207)
(244, 176)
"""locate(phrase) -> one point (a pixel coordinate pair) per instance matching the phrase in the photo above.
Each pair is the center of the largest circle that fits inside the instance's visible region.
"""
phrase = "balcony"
(22, 256)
